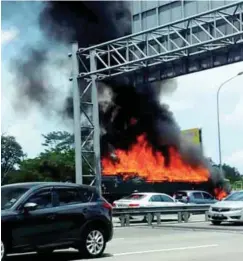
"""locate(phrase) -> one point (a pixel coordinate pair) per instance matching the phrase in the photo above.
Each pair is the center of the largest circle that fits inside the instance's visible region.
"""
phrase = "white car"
(147, 199)
(229, 209)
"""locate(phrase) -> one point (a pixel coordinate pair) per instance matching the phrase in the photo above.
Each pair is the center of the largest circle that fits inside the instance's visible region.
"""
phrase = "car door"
(36, 227)
(196, 198)
(168, 200)
(157, 201)
(71, 209)
(208, 199)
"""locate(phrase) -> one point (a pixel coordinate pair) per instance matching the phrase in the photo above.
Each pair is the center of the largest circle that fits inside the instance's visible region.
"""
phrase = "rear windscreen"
(180, 195)
(135, 196)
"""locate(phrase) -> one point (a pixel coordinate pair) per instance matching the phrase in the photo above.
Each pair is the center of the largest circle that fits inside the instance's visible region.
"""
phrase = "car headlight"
(236, 209)
(210, 208)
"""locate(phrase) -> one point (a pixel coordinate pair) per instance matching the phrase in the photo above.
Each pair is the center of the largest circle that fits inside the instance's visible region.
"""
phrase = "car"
(194, 197)
(146, 199)
(44, 216)
(229, 209)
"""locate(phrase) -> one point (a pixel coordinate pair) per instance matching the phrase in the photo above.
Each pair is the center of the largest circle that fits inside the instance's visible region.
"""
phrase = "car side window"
(156, 198)
(67, 196)
(43, 199)
(167, 199)
(197, 195)
(87, 195)
(207, 196)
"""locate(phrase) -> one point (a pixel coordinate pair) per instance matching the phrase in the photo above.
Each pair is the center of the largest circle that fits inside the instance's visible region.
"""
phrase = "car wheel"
(93, 243)
(3, 250)
(145, 219)
(185, 216)
(216, 223)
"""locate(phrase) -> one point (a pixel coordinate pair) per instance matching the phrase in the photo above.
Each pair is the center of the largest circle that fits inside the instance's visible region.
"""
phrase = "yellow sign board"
(193, 135)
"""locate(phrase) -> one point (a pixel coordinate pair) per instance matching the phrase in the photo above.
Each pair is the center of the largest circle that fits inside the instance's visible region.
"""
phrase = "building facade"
(149, 14)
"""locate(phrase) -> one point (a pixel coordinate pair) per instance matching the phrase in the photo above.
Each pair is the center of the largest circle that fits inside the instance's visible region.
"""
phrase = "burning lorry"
(143, 170)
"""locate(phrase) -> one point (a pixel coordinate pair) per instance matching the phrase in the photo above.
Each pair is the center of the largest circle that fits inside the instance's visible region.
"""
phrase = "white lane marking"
(164, 250)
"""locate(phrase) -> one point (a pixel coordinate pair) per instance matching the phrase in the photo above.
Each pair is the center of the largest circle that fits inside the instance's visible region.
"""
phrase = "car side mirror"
(30, 206)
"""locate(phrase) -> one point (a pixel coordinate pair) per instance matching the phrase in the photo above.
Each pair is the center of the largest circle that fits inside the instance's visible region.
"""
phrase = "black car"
(45, 216)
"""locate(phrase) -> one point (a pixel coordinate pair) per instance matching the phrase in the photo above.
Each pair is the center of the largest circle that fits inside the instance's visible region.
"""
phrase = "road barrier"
(183, 213)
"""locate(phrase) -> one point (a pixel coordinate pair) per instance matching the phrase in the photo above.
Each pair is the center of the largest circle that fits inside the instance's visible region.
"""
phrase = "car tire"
(3, 250)
(184, 217)
(216, 223)
(145, 219)
(93, 242)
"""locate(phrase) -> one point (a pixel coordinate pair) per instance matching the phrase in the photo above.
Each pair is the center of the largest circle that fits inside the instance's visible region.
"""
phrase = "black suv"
(44, 216)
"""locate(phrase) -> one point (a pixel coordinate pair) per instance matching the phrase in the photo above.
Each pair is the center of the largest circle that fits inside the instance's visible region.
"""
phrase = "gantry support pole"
(76, 115)
(95, 112)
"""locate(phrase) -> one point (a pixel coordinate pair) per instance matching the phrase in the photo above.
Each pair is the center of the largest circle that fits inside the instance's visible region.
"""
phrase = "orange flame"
(141, 161)
(220, 193)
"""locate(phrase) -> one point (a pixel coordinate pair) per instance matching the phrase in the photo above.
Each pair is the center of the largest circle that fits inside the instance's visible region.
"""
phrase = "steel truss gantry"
(205, 32)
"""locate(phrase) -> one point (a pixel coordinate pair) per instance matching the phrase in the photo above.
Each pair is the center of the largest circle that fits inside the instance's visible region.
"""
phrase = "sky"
(193, 102)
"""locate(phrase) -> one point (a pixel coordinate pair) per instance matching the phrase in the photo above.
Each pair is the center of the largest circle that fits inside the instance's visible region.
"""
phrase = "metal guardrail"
(183, 213)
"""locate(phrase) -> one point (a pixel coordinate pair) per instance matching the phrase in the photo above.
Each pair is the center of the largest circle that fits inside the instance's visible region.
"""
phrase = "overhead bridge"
(206, 40)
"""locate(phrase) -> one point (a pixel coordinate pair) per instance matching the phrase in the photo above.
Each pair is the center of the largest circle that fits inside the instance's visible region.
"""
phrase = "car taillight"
(133, 205)
(113, 205)
(107, 205)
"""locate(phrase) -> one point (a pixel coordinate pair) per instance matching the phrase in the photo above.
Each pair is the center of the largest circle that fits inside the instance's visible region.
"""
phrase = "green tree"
(58, 141)
(48, 166)
(63, 142)
(56, 163)
(11, 155)
(231, 173)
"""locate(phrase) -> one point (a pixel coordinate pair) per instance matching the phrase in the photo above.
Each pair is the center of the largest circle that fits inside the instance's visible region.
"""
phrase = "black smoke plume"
(31, 76)
(88, 22)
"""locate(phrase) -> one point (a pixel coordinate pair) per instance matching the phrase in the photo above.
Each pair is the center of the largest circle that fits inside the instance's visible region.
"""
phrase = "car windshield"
(237, 196)
(9, 195)
(135, 196)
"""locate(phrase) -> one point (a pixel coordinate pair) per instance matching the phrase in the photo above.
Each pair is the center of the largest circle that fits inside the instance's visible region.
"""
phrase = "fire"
(141, 161)
(220, 193)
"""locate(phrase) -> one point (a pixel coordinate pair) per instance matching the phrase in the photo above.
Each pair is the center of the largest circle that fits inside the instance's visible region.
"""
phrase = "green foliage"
(58, 141)
(11, 155)
(231, 173)
(56, 163)
(49, 166)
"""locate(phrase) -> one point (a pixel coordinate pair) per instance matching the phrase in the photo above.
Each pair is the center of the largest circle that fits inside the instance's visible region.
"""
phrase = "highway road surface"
(160, 243)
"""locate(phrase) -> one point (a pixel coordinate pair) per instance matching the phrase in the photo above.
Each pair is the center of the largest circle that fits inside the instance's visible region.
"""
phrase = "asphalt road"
(160, 243)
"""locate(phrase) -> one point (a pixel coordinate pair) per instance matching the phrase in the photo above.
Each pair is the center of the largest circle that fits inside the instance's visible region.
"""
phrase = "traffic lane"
(121, 235)
(216, 252)
(133, 240)
(186, 245)
(206, 225)
(148, 243)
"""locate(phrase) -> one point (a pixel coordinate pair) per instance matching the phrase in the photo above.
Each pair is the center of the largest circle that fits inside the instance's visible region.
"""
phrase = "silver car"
(229, 209)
